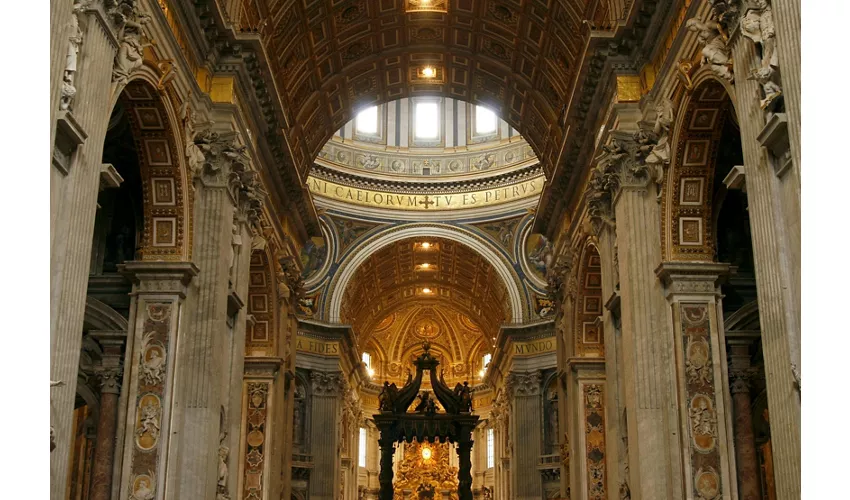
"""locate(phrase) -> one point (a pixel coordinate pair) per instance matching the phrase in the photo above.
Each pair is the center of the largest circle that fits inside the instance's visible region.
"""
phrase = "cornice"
(415, 186)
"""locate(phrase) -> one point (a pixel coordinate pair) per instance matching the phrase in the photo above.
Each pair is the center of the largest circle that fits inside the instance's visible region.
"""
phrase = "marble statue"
(757, 25)
(130, 51)
(75, 39)
(659, 157)
(222, 493)
(54, 383)
(714, 50)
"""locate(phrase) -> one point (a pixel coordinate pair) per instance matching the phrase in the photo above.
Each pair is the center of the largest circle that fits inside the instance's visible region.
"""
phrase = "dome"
(432, 147)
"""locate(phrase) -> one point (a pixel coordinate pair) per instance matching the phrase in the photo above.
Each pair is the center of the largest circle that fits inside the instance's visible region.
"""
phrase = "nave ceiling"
(330, 58)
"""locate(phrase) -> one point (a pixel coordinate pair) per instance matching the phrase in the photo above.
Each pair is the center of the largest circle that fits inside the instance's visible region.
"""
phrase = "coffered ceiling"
(456, 280)
(330, 58)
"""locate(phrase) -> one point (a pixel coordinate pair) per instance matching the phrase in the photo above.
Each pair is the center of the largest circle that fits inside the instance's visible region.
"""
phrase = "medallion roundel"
(426, 329)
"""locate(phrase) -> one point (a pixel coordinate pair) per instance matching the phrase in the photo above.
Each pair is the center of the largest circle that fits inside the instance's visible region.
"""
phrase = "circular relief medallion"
(454, 166)
(703, 423)
(397, 166)
(143, 487)
(707, 483)
(426, 329)
(255, 438)
(159, 312)
(148, 418)
(509, 156)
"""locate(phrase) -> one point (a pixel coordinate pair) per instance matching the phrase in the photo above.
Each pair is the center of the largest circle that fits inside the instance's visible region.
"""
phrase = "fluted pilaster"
(526, 430)
(73, 202)
(326, 398)
(779, 315)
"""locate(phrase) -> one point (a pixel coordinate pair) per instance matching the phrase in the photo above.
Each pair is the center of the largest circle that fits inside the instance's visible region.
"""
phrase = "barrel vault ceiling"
(456, 281)
(330, 58)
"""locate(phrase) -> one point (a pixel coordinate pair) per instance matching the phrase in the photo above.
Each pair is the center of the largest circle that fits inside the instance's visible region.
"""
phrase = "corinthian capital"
(556, 276)
(289, 276)
(621, 164)
(327, 384)
(524, 384)
(224, 160)
(249, 194)
(109, 378)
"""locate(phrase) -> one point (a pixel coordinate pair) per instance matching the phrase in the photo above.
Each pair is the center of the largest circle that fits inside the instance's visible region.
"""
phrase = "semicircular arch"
(359, 255)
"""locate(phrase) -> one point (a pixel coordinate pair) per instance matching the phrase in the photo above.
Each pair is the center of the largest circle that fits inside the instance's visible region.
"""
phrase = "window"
(366, 121)
(427, 125)
(485, 362)
(367, 360)
(361, 454)
(485, 121)
(491, 449)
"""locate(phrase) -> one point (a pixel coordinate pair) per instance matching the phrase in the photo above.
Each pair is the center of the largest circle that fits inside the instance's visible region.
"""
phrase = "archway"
(358, 255)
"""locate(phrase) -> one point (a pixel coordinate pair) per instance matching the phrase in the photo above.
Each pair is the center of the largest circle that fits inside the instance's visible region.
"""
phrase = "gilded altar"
(425, 466)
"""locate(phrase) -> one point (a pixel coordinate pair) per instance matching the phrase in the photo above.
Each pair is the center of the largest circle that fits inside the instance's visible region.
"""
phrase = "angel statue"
(714, 50)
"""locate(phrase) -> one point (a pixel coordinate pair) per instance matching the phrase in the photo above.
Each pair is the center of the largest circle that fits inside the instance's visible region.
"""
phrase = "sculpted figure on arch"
(714, 50)
(757, 25)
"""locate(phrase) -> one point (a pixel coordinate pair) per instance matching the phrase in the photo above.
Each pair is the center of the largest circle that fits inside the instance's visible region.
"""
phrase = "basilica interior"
(425, 249)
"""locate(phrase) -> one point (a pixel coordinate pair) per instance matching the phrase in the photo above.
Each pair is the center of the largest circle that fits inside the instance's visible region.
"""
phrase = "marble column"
(693, 292)
(156, 311)
(621, 191)
(74, 182)
(526, 429)
(775, 222)
(109, 375)
(746, 461)
(326, 390)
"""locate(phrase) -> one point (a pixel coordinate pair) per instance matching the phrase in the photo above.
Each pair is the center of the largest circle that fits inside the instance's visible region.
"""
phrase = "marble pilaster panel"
(693, 290)
(258, 441)
(157, 306)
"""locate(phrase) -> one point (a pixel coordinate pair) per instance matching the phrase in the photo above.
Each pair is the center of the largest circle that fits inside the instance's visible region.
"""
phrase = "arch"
(167, 196)
(687, 219)
(99, 316)
(362, 252)
(588, 337)
(261, 334)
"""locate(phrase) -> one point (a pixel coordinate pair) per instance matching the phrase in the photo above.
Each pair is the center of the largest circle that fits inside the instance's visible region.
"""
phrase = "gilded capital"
(109, 378)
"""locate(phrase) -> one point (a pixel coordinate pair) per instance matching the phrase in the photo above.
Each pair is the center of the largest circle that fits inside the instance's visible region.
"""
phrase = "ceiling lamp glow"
(428, 72)
(426, 290)
(426, 6)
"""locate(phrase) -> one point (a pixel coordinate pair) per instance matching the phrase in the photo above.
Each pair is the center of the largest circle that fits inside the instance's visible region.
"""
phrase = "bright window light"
(427, 120)
(485, 120)
(361, 453)
(491, 449)
(485, 362)
(367, 359)
(367, 121)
